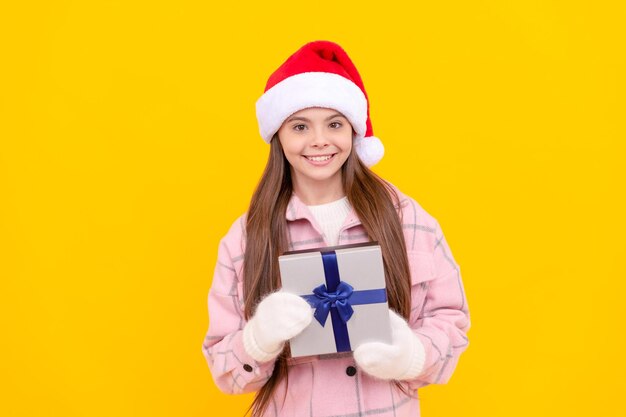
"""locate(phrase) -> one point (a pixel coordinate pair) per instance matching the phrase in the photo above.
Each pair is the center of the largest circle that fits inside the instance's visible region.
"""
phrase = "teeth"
(319, 158)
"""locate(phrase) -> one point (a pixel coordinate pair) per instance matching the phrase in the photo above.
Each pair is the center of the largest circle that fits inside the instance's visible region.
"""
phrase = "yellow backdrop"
(129, 144)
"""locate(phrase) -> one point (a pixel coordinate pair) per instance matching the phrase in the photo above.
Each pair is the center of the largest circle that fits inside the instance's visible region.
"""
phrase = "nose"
(319, 139)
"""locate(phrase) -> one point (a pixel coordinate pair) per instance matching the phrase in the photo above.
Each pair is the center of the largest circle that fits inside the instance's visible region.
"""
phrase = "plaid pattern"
(324, 386)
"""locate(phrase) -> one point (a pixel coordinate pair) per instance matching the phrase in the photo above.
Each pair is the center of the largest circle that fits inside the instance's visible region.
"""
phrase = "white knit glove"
(403, 359)
(278, 317)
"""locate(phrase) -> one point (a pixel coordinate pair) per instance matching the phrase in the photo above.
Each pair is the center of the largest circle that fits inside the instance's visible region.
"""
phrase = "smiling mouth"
(320, 158)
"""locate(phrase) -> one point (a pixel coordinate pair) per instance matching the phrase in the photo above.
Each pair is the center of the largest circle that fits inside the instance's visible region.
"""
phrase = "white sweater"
(330, 217)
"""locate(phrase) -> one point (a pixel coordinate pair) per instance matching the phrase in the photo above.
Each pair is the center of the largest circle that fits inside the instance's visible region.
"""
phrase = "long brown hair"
(373, 200)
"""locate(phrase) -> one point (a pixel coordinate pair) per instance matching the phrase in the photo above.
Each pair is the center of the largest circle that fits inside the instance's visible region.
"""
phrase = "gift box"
(345, 286)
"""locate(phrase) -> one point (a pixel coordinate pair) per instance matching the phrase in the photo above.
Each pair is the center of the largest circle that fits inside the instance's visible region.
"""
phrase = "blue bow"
(324, 301)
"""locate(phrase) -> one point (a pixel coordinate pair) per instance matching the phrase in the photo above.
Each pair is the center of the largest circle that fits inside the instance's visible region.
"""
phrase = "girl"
(317, 190)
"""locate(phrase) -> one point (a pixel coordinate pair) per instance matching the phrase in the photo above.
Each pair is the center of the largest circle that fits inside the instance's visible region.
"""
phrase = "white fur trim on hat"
(311, 89)
(369, 149)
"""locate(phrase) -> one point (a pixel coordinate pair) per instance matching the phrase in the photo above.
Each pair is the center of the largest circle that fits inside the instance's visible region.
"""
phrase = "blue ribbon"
(337, 298)
(325, 300)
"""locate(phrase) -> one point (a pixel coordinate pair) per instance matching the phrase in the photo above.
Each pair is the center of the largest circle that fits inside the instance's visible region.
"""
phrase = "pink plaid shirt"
(332, 385)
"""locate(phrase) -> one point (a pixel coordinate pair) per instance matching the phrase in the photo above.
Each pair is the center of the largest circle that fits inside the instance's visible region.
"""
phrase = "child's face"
(316, 142)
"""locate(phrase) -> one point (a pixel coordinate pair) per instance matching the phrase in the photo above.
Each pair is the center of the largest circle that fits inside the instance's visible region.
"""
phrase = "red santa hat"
(319, 74)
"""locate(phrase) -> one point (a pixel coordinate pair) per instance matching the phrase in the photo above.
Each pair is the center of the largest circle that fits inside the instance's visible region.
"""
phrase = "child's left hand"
(403, 359)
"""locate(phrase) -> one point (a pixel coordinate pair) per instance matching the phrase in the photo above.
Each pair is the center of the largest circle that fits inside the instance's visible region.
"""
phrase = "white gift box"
(345, 286)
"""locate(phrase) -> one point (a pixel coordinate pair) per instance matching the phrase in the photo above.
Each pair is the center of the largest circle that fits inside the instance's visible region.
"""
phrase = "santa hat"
(319, 74)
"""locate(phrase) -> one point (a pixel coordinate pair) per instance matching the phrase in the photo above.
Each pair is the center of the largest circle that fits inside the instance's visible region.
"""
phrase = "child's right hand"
(278, 317)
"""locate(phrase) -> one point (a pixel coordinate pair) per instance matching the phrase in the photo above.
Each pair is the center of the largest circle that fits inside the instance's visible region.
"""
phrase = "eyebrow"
(307, 120)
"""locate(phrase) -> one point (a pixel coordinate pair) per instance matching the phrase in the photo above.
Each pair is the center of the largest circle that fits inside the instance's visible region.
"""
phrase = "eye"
(299, 128)
(336, 125)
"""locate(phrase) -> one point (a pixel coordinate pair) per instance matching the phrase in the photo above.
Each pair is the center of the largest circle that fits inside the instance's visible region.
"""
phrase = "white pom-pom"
(370, 149)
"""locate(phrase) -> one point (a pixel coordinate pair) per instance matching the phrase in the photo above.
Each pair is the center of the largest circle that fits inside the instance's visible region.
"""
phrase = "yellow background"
(129, 144)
